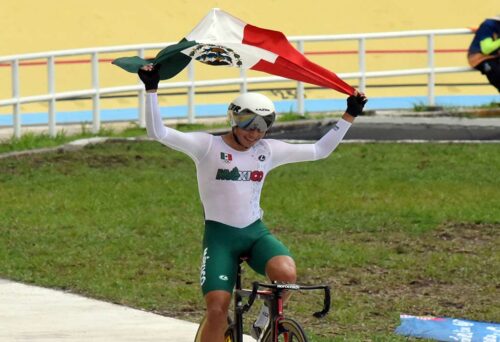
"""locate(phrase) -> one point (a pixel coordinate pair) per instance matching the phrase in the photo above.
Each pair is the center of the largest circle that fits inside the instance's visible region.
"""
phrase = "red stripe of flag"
(291, 63)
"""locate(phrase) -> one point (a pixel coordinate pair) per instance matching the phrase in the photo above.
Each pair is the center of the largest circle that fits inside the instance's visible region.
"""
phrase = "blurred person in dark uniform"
(484, 51)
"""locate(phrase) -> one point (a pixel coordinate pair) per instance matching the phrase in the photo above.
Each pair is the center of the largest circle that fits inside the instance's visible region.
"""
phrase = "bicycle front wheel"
(230, 334)
(289, 330)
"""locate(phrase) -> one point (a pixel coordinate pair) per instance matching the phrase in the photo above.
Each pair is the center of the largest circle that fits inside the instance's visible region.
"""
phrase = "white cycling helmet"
(252, 111)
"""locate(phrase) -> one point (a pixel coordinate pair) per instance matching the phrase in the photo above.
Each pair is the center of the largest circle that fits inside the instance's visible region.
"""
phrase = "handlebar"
(295, 287)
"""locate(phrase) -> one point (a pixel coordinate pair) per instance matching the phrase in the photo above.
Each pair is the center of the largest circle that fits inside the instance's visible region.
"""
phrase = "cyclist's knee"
(216, 314)
(281, 268)
(217, 304)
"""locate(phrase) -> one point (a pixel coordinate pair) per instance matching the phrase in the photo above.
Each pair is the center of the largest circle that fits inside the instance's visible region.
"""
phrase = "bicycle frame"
(274, 298)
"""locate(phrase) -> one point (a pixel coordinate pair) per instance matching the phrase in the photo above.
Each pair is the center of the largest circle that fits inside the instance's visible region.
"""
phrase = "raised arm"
(195, 144)
(284, 153)
(329, 142)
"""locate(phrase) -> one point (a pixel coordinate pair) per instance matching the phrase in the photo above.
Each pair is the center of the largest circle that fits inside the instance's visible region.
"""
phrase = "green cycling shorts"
(223, 246)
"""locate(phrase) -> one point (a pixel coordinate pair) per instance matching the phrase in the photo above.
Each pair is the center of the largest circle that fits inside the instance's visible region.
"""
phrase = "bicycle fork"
(276, 313)
(239, 309)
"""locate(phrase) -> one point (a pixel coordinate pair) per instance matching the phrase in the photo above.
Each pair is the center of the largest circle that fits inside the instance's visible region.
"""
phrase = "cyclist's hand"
(150, 76)
(355, 104)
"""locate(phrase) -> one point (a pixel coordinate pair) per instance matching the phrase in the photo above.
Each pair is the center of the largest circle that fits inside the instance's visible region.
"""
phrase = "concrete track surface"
(32, 313)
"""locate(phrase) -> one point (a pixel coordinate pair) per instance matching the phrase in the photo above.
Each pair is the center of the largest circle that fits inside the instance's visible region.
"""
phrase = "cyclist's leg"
(221, 252)
(491, 69)
(270, 257)
(281, 268)
(216, 315)
(274, 260)
(494, 74)
(218, 276)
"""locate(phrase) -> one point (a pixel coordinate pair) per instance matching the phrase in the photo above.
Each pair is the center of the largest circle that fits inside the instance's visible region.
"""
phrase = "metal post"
(96, 111)
(16, 108)
(300, 85)
(432, 76)
(52, 89)
(243, 84)
(362, 65)
(191, 93)
(142, 99)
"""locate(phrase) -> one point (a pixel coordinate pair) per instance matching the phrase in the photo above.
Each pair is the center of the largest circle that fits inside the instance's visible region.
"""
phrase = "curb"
(71, 146)
(368, 129)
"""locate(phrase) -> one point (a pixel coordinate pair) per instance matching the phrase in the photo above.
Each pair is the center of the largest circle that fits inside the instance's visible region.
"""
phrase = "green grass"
(290, 116)
(491, 105)
(30, 140)
(394, 228)
(471, 112)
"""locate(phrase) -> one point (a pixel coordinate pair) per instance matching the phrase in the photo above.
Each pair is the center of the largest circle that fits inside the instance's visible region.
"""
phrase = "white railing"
(96, 91)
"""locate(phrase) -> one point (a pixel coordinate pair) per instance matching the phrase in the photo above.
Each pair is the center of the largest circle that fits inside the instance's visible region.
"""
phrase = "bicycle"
(280, 327)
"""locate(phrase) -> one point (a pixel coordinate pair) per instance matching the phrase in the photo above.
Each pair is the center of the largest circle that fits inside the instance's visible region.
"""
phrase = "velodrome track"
(398, 129)
(31, 313)
(392, 127)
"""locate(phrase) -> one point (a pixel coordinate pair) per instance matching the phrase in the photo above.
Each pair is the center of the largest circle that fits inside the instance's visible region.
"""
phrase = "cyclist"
(231, 170)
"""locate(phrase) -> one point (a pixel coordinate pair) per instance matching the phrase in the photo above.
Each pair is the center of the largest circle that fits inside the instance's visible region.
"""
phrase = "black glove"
(355, 104)
(150, 78)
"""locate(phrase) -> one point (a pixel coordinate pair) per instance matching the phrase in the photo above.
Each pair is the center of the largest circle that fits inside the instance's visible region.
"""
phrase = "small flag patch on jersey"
(227, 157)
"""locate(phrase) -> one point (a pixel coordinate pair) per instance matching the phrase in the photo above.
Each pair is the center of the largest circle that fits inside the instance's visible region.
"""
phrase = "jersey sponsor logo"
(227, 157)
(223, 277)
(237, 175)
(203, 273)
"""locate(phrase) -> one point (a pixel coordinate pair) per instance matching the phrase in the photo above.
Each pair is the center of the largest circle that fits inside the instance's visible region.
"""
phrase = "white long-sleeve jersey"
(230, 181)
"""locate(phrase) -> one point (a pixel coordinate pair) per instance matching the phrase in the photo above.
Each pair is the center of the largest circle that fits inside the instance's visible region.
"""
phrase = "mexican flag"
(223, 40)
(227, 157)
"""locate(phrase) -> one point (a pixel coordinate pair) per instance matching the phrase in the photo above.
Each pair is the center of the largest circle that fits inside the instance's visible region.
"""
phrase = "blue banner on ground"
(448, 329)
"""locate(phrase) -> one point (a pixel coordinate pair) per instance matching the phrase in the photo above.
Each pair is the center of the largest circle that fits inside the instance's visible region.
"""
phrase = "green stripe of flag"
(171, 59)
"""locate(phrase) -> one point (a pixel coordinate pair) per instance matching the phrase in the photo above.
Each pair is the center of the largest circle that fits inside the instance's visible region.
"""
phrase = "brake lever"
(251, 298)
